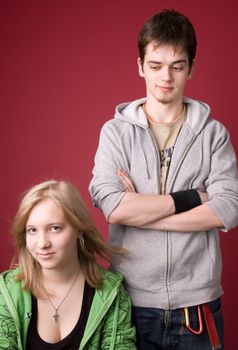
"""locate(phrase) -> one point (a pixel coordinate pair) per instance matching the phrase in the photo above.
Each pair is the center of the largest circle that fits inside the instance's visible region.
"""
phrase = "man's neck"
(163, 113)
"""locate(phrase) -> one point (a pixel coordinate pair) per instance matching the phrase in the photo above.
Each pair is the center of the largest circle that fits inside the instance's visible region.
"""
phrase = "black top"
(73, 339)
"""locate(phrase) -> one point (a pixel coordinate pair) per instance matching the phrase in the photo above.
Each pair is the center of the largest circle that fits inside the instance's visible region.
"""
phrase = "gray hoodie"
(168, 269)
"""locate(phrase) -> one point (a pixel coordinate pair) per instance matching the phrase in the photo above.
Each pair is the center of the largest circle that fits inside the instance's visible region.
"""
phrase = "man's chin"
(164, 101)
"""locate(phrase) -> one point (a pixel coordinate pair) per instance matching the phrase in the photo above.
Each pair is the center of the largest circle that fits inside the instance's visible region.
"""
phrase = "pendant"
(56, 316)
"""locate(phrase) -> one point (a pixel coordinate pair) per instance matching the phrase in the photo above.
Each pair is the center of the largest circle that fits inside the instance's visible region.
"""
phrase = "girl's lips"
(45, 255)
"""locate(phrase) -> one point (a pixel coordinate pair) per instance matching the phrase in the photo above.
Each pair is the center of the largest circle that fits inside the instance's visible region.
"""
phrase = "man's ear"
(192, 69)
(140, 67)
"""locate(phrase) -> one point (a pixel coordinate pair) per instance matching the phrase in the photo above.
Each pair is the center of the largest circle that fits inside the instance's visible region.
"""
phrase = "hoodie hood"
(197, 113)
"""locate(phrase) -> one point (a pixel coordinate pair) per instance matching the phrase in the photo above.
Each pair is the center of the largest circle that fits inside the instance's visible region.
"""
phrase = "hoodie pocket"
(144, 267)
(196, 261)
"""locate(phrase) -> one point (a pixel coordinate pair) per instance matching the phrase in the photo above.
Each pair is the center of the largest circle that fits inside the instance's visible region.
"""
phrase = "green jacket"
(108, 326)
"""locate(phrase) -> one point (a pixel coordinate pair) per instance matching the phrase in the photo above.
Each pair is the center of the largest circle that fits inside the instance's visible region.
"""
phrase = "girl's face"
(50, 239)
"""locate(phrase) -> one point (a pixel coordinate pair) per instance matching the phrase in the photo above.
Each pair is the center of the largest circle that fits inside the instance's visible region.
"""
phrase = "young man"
(165, 177)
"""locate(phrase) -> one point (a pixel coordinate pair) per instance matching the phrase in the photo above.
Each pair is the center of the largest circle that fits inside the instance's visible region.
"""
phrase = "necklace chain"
(155, 122)
(56, 314)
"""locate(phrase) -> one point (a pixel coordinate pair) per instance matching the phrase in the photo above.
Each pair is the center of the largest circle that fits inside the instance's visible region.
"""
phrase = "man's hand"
(126, 181)
(203, 196)
(129, 186)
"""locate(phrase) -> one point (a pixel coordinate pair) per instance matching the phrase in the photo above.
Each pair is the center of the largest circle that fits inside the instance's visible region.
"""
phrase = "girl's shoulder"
(111, 278)
(9, 277)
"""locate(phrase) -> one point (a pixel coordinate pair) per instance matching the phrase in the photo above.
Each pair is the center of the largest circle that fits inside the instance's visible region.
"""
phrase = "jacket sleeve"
(118, 332)
(8, 331)
(105, 188)
(222, 182)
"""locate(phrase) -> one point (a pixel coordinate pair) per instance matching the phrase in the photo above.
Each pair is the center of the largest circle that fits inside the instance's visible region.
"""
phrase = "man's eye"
(154, 67)
(177, 68)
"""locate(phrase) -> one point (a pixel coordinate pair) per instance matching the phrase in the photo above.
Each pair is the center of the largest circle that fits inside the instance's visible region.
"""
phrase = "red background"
(65, 64)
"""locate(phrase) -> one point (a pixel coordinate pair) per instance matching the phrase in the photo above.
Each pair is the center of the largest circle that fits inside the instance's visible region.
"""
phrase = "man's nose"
(166, 73)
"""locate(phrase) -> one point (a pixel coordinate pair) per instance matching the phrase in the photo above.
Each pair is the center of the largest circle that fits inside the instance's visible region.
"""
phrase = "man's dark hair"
(169, 27)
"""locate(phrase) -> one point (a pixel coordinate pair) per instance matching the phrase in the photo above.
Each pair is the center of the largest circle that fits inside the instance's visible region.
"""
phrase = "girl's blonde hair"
(65, 195)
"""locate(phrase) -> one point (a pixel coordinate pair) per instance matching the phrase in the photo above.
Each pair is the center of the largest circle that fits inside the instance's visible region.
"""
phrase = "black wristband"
(185, 200)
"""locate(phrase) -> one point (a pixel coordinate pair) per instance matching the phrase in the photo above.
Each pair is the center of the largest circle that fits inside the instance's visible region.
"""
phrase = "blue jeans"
(158, 329)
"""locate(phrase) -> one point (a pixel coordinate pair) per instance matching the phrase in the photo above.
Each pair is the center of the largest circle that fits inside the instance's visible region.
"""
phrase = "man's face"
(165, 71)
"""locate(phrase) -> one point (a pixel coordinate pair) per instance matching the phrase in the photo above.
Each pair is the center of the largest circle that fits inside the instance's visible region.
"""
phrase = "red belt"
(210, 324)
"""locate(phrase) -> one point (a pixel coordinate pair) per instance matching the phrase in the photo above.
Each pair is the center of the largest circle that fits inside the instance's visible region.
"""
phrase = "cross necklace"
(56, 314)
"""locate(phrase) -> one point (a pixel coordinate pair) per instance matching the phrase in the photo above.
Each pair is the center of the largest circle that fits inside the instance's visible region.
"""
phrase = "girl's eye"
(31, 230)
(55, 228)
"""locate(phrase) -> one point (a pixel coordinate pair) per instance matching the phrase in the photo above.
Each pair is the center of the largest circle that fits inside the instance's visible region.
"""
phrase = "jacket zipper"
(172, 180)
(98, 319)
(167, 233)
(157, 156)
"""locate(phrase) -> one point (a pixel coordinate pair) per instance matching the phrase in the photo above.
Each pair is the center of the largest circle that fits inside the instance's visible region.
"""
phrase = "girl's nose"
(43, 240)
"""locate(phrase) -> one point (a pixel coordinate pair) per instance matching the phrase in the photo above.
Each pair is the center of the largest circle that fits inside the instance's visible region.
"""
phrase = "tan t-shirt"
(166, 135)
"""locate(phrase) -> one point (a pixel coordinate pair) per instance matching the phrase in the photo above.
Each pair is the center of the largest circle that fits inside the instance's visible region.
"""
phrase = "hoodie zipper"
(173, 178)
(156, 149)
(157, 156)
(98, 319)
(167, 233)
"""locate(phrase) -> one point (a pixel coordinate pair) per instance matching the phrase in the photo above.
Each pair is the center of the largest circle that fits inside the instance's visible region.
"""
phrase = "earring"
(81, 242)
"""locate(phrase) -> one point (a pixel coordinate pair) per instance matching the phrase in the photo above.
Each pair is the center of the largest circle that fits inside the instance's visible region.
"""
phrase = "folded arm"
(137, 209)
(122, 205)
(201, 218)
(158, 211)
